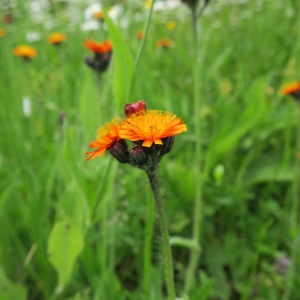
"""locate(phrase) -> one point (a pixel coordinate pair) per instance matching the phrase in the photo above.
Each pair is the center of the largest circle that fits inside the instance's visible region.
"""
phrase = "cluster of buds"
(140, 156)
(151, 133)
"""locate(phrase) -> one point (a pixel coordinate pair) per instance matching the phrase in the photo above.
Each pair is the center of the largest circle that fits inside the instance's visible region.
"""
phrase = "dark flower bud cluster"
(192, 4)
(99, 62)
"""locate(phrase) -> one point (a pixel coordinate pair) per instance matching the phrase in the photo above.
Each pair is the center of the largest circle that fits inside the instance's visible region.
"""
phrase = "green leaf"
(89, 105)
(10, 290)
(226, 140)
(123, 65)
(65, 244)
(184, 242)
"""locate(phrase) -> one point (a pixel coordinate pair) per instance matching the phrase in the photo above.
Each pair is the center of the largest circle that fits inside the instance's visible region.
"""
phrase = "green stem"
(147, 245)
(198, 160)
(165, 234)
(294, 217)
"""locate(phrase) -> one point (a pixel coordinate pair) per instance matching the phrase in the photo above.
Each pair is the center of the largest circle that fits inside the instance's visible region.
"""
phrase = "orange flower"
(108, 135)
(56, 38)
(99, 15)
(151, 127)
(2, 32)
(98, 48)
(25, 51)
(291, 89)
(140, 34)
(163, 43)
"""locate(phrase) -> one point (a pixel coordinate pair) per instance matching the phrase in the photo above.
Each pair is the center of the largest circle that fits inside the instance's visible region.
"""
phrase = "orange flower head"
(151, 127)
(108, 136)
(140, 34)
(98, 48)
(25, 51)
(56, 38)
(292, 89)
(99, 15)
(2, 32)
(163, 43)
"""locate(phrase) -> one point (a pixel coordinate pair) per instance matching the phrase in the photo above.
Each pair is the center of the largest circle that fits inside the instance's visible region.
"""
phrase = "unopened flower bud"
(99, 62)
(167, 145)
(138, 155)
(134, 108)
(120, 152)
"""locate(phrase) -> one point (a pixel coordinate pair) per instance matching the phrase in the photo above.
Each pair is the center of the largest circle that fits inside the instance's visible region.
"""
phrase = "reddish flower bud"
(120, 152)
(134, 108)
(167, 145)
(138, 155)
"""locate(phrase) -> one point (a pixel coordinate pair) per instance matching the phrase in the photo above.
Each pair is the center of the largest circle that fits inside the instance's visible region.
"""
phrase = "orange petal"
(147, 143)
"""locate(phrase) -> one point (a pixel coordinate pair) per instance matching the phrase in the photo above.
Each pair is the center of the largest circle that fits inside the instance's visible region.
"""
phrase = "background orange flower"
(56, 38)
(2, 32)
(98, 47)
(25, 51)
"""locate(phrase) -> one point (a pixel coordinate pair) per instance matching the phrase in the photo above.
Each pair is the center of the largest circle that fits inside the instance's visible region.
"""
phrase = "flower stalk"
(197, 219)
(152, 133)
(152, 175)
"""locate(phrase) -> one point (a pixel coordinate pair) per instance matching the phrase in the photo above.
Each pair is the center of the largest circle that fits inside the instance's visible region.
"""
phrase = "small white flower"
(90, 10)
(115, 11)
(165, 5)
(26, 106)
(90, 25)
(32, 36)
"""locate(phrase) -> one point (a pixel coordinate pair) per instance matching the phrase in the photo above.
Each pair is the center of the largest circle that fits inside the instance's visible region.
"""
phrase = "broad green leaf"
(65, 244)
(10, 290)
(72, 206)
(123, 65)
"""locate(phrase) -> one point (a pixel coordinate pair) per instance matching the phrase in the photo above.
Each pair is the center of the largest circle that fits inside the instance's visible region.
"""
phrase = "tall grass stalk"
(198, 156)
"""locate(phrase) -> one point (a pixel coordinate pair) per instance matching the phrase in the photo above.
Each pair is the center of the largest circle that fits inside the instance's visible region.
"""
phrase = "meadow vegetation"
(81, 230)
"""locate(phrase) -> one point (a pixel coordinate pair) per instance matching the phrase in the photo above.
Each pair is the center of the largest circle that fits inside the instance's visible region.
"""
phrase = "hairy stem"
(164, 233)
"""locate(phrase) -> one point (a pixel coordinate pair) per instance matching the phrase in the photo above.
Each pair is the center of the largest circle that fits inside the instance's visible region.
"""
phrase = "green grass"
(106, 243)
